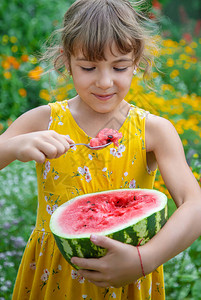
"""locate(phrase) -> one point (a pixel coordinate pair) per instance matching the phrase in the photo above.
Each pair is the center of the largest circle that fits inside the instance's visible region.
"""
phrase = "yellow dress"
(44, 274)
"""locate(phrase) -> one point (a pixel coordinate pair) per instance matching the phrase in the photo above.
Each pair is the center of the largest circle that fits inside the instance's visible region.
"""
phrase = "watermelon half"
(126, 215)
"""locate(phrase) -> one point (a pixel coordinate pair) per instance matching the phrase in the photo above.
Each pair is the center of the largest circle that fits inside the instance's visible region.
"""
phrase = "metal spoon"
(90, 147)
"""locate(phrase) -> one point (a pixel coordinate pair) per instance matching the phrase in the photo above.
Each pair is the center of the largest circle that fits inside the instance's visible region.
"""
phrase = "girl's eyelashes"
(88, 69)
(93, 68)
(120, 69)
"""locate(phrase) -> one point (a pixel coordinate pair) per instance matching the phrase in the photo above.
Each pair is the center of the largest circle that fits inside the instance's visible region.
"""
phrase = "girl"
(102, 43)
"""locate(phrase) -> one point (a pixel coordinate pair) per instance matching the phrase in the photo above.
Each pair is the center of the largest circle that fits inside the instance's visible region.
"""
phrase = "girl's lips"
(104, 97)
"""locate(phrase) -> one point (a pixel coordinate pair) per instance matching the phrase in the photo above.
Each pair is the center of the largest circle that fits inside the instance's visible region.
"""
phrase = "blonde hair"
(91, 25)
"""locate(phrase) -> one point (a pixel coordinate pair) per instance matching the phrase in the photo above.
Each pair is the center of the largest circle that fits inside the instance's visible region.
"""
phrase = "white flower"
(104, 169)
(32, 266)
(88, 177)
(59, 267)
(74, 274)
(63, 107)
(84, 296)
(121, 148)
(56, 177)
(119, 154)
(139, 284)
(47, 166)
(54, 207)
(86, 169)
(113, 151)
(50, 122)
(45, 174)
(90, 156)
(114, 295)
(126, 174)
(132, 184)
(81, 170)
(81, 279)
(60, 123)
(49, 210)
(46, 198)
(44, 277)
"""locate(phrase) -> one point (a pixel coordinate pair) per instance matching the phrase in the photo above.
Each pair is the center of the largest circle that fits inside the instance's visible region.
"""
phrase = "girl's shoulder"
(159, 131)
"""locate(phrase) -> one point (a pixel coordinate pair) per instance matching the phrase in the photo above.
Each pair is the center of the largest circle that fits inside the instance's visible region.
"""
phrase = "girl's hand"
(39, 145)
(120, 266)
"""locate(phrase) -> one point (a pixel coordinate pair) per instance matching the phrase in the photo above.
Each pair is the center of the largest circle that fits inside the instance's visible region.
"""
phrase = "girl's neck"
(92, 122)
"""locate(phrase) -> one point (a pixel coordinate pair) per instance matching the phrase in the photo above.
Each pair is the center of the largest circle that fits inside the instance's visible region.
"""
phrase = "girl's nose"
(104, 80)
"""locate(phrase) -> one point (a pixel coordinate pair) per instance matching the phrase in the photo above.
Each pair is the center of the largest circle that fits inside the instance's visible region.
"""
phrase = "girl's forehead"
(111, 52)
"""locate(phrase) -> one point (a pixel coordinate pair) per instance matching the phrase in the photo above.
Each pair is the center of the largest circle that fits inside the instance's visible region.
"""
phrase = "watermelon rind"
(140, 230)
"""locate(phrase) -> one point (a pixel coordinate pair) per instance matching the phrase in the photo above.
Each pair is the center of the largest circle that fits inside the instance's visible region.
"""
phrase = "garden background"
(24, 26)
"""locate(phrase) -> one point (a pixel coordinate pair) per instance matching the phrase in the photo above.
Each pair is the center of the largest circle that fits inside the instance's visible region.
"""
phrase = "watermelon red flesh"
(105, 136)
(138, 214)
(102, 212)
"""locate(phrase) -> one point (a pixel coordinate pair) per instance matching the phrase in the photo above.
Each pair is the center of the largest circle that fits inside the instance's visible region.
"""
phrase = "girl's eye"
(120, 69)
(88, 69)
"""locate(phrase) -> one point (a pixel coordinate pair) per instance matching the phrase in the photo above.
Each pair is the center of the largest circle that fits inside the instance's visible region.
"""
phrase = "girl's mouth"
(104, 97)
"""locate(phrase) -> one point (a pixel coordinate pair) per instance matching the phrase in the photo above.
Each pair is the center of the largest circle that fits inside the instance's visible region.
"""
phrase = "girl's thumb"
(103, 241)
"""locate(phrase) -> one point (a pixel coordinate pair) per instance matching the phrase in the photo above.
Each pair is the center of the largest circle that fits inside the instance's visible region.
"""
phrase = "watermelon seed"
(110, 136)
(88, 201)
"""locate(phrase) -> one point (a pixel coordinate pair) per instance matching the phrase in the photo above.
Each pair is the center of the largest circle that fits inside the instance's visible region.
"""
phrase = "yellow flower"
(13, 39)
(7, 75)
(169, 43)
(22, 92)
(14, 48)
(155, 74)
(35, 74)
(194, 45)
(197, 176)
(182, 42)
(183, 57)
(170, 62)
(185, 142)
(195, 155)
(187, 66)
(193, 60)
(189, 50)
(5, 39)
(199, 41)
(44, 94)
(174, 74)
(33, 60)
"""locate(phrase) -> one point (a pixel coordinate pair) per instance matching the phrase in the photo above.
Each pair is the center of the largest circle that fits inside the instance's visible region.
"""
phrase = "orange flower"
(22, 92)
(7, 75)
(1, 126)
(5, 64)
(44, 94)
(24, 58)
(35, 74)
(9, 122)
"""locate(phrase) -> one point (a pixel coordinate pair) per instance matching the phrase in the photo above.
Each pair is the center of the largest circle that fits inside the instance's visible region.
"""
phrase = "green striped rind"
(141, 232)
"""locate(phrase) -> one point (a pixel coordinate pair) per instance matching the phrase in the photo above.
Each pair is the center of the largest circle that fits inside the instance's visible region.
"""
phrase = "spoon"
(90, 147)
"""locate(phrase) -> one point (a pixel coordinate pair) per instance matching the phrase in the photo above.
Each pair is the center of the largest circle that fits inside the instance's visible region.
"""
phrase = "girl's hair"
(91, 25)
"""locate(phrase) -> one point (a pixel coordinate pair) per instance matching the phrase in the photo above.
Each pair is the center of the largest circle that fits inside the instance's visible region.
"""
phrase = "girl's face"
(102, 85)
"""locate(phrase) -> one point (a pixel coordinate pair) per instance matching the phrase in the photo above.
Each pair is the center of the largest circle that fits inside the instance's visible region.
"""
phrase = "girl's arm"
(121, 264)
(28, 139)
(184, 226)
